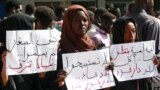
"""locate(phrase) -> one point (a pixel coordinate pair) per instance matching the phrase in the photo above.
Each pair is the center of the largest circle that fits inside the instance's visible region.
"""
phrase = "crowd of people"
(82, 29)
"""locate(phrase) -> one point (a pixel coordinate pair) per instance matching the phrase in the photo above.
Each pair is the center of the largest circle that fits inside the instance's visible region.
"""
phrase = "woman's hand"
(109, 66)
(61, 78)
(4, 74)
(156, 61)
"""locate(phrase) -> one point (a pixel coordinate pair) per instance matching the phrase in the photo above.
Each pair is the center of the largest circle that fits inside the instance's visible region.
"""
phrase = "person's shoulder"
(151, 18)
(154, 20)
(152, 24)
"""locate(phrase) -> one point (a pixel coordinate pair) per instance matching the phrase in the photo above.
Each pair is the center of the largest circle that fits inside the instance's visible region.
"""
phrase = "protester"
(74, 37)
(100, 34)
(13, 6)
(148, 26)
(44, 18)
(29, 9)
(59, 12)
(98, 13)
(17, 21)
(148, 29)
(130, 9)
(124, 31)
(107, 21)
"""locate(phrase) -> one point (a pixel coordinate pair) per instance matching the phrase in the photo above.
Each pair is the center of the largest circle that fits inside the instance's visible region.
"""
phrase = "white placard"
(31, 51)
(86, 70)
(133, 60)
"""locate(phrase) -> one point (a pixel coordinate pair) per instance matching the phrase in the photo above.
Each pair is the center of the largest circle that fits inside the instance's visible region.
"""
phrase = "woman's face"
(80, 23)
(129, 33)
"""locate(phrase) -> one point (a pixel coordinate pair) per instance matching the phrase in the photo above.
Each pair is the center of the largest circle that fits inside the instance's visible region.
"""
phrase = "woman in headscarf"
(76, 24)
(74, 36)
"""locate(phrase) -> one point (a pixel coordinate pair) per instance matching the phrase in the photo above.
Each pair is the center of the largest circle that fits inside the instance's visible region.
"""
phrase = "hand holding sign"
(61, 78)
